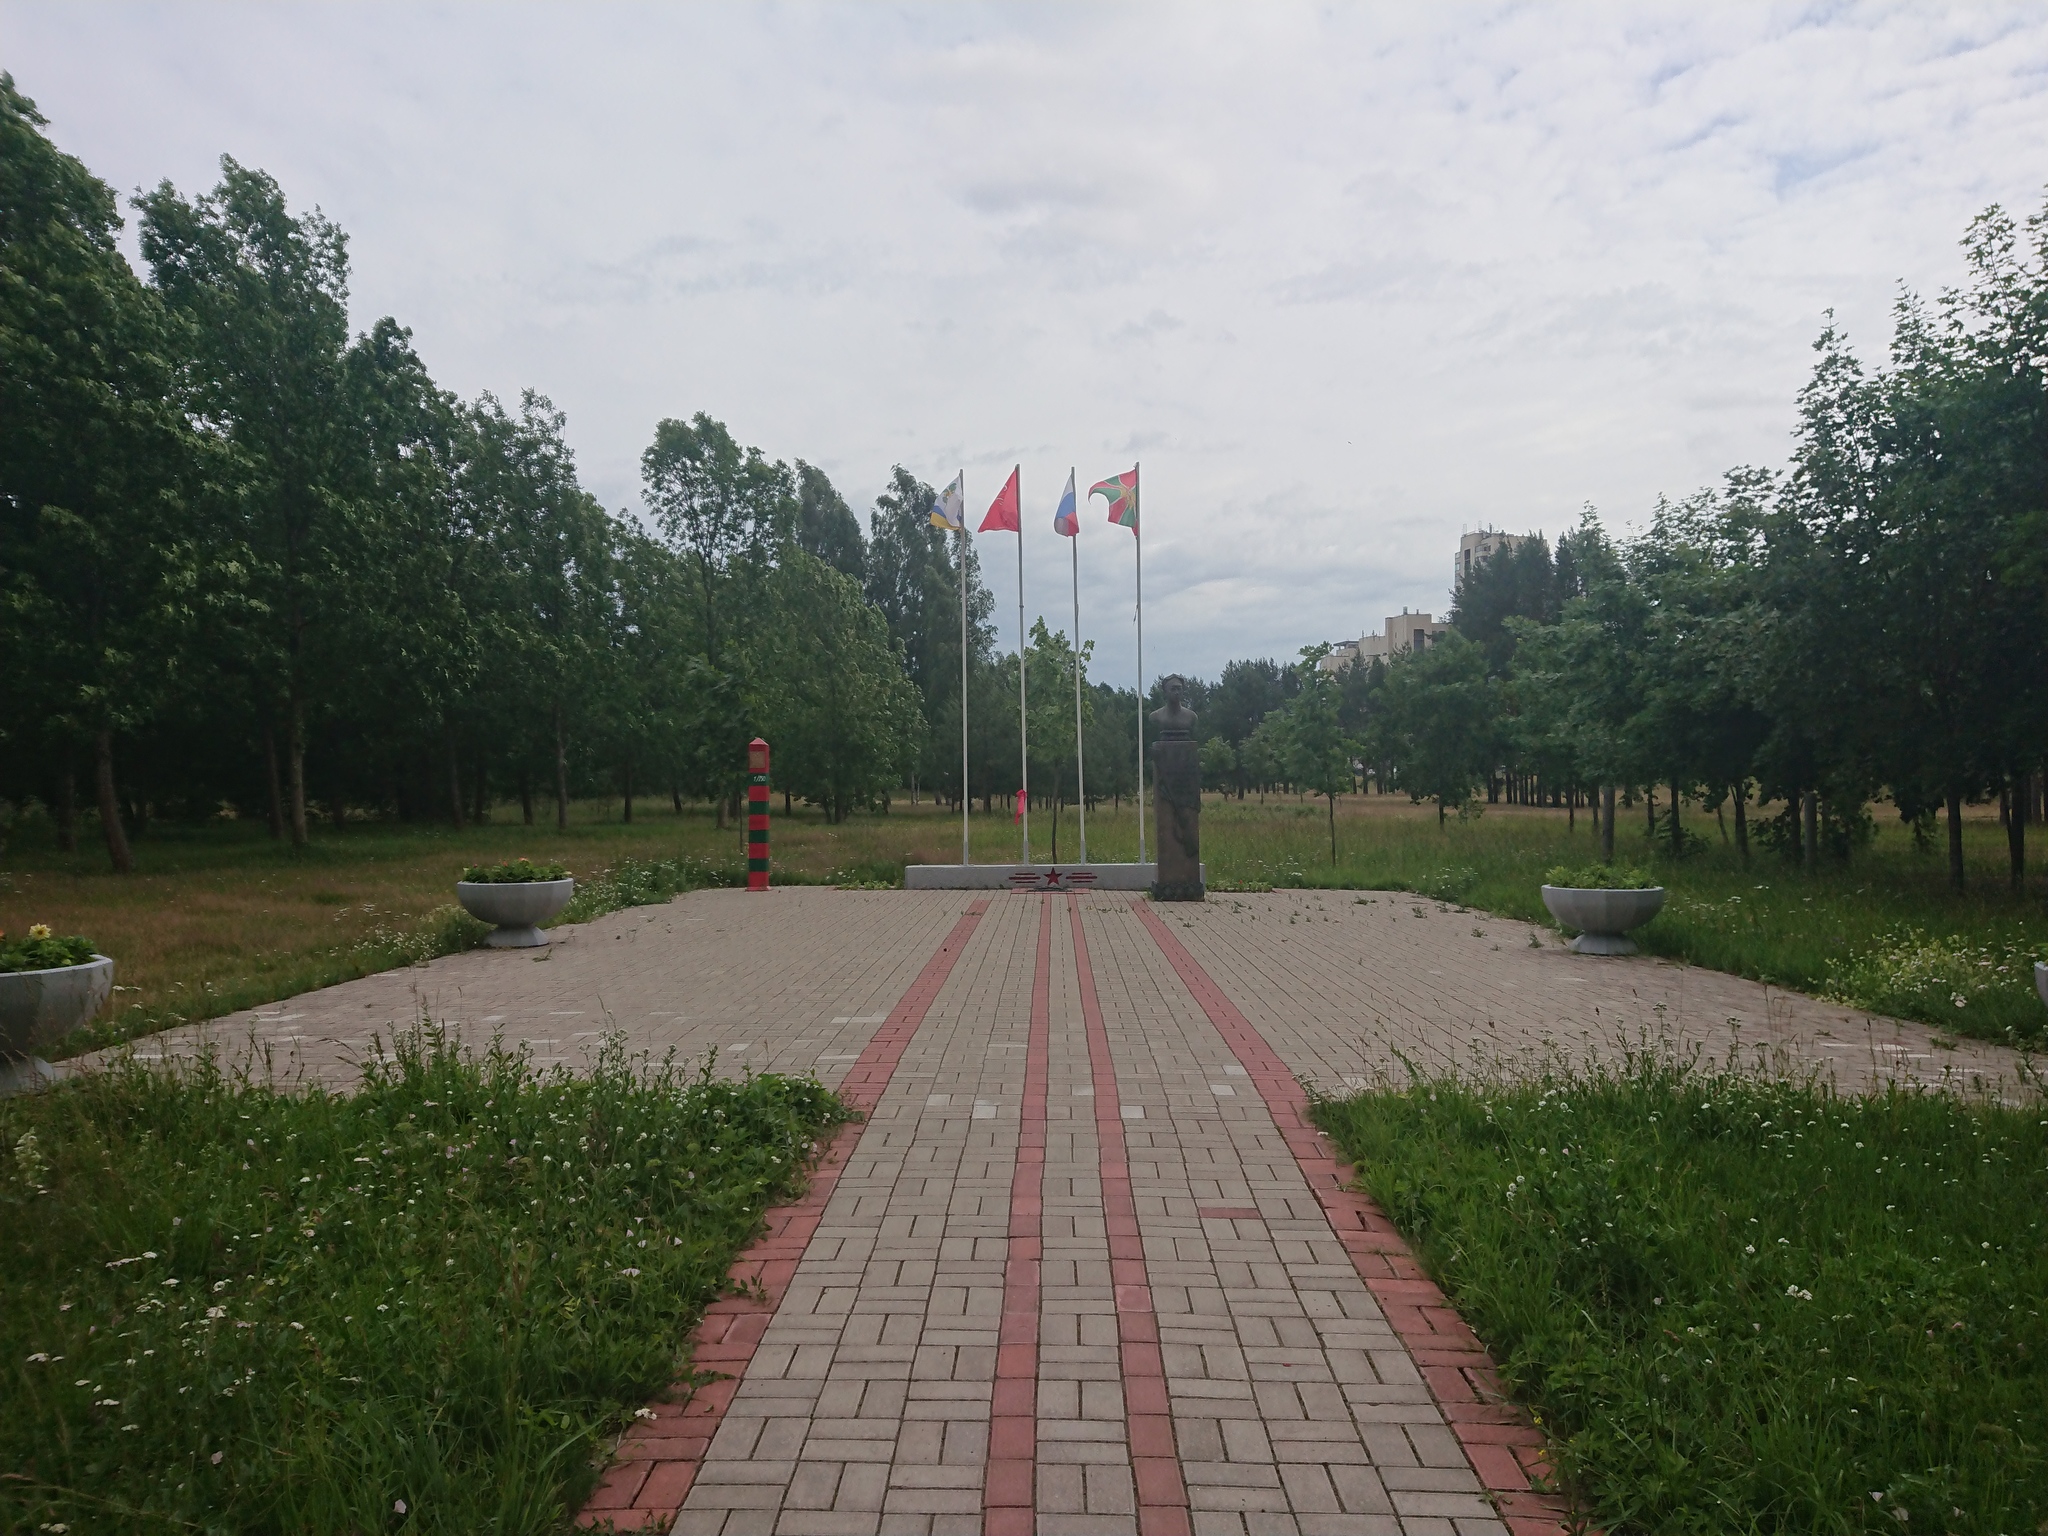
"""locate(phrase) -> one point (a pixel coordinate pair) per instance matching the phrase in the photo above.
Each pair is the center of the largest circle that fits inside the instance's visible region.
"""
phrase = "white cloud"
(1345, 279)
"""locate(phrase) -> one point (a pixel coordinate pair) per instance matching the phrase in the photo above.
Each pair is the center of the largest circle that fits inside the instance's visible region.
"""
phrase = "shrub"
(514, 872)
(41, 950)
(1599, 877)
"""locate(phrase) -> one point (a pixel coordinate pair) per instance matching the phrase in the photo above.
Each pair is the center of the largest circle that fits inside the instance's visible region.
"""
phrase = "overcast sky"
(1347, 280)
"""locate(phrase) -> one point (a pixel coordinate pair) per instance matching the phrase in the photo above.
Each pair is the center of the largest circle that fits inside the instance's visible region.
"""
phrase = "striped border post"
(757, 815)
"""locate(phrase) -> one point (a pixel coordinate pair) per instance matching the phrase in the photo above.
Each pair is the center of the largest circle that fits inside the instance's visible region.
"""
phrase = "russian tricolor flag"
(1067, 521)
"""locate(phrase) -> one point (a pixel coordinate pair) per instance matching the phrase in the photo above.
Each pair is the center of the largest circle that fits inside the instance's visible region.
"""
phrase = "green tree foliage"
(1438, 722)
(1314, 750)
(838, 708)
(250, 560)
(99, 561)
(826, 526)
(264, 297)
(913, 577)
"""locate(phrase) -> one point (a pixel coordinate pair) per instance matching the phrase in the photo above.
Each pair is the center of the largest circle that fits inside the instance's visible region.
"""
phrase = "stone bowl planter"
(39, 1008)
(517, 907)
(1603, 918)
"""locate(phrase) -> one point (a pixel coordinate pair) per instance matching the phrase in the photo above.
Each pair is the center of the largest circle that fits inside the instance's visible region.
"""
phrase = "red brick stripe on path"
(657, 1459)
(1155, 1462)
(1009, 1496)
(1502, 1444)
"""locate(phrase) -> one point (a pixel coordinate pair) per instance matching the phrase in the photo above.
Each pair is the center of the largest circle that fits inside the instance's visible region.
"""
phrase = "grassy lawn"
(219, 917)
(417, 1307)
(1742, 1307)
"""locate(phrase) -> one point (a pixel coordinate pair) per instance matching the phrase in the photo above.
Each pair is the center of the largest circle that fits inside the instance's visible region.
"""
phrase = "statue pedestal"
(1177, 818)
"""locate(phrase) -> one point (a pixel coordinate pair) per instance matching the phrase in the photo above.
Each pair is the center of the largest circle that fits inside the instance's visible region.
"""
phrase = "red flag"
(1018, 815)
(1003, 516)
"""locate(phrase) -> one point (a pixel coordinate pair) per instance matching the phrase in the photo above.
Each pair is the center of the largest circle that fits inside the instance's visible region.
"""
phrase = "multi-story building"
(1404, 631)
(1407, 631)
(1475, 549)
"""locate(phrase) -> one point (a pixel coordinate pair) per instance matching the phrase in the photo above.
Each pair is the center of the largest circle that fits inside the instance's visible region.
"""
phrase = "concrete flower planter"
(1603, 918)
(39, 1008)
(517, 907)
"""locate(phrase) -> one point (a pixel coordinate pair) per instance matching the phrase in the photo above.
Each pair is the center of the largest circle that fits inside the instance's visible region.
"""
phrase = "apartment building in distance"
(1477, 548)
(1406, 631)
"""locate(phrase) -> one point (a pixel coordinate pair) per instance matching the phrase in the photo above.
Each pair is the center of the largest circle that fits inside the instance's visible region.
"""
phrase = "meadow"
(219, 917)
(1740, 1305)
(422, 1305)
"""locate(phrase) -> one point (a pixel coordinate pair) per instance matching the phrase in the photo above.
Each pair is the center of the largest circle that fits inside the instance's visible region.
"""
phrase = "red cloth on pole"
(1004, 514)
(1018, 814)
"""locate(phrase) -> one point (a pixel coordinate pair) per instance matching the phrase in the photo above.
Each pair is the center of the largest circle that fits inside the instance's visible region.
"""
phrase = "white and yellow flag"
(950, 510)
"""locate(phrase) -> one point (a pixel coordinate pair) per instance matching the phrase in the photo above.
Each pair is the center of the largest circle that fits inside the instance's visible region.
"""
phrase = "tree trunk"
(1955, 839)
(110, 803)
(337, 810)
(2016, 830)
(1677, 837)
(1809, 823)
(65, 806)
(1333, 831)
(526, 795)
(295, 766)
(1742, 820)
(1607, 823)
(719, 813)
(626, 786)
(1650, 808)
(561, 772)
(675, 796)
(785, 802)
(480, 810)
(276, 789)
(454, 774)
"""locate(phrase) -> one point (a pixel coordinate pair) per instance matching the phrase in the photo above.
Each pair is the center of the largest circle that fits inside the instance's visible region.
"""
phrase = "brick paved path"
(1085, 1267)
(1345, 984)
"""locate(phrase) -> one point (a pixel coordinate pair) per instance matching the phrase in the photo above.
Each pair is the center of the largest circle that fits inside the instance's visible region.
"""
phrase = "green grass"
(420, 1306)
(1740, 1306)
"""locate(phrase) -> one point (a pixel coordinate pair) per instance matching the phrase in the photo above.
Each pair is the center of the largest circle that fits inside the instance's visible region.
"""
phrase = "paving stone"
(1056, 1237)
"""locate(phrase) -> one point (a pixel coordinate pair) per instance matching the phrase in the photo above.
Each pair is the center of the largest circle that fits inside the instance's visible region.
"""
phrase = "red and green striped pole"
(757, 815)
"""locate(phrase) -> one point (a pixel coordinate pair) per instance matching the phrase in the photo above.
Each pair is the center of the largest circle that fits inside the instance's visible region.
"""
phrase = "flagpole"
(965, 796)
(1138, 529)
(1080, 756)
(1023, 715)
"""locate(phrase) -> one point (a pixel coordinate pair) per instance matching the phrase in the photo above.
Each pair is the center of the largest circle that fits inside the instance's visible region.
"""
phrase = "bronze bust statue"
(1177, 797)
(1176, 721)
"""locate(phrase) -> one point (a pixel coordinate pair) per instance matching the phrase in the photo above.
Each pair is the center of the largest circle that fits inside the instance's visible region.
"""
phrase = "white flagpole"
(965, 796)
(1080, 756)
(1139, 530)
(1023, 647)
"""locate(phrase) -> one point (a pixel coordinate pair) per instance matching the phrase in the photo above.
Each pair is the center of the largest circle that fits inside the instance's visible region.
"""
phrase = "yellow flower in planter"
(39, 930)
